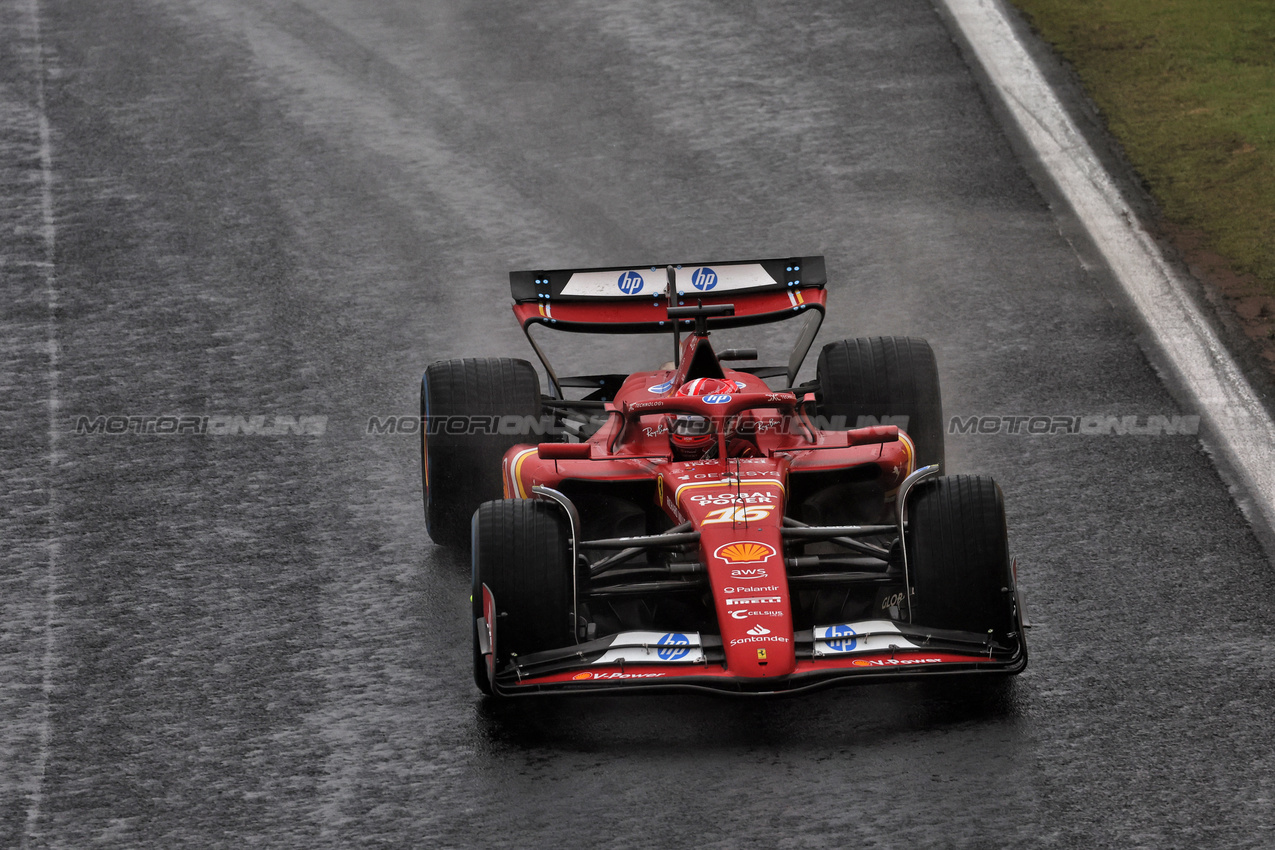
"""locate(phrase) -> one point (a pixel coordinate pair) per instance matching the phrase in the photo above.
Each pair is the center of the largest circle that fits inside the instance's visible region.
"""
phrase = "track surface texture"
(288, 209)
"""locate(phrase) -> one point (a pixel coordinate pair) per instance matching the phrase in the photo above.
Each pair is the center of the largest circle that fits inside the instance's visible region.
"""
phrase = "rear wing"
(626, 299)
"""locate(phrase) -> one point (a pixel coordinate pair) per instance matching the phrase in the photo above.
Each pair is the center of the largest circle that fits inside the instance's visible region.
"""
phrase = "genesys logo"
(749, 575)
(745, 614)
(580, 677)
(756, 600)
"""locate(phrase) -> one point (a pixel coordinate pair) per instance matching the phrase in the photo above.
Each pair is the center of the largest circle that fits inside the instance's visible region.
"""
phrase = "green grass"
(1188, 89)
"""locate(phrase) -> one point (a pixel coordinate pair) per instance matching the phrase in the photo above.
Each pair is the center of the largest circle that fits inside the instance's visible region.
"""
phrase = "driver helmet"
(692, 435)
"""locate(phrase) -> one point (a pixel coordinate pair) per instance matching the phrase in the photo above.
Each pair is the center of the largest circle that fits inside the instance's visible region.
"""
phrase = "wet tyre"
(522, 551)
(886, 380)
(462, 405)
(958, 556)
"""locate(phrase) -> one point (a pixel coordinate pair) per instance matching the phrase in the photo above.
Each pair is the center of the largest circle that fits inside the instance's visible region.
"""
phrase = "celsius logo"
(676, 647)
(659, 388)
(717, 398)
(704, 279)
(841, 638)
(758, 630)
(744, 615)
(630, 283)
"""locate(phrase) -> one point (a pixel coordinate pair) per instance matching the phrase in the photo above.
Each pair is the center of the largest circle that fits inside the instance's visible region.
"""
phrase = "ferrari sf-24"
(712, 525)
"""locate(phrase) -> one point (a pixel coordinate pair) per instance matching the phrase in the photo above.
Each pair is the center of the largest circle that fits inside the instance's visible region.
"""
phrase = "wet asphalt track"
(290, 208)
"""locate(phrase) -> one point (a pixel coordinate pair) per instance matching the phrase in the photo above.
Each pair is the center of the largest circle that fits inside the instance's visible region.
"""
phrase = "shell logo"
(745, 552)
(860, 663)
(579, 676)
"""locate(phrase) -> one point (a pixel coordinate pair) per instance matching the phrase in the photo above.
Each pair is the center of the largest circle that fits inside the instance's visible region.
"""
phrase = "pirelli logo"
(755, 600)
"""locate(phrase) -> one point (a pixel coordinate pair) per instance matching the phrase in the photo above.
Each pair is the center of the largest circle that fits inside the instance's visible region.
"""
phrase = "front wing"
(836, 654)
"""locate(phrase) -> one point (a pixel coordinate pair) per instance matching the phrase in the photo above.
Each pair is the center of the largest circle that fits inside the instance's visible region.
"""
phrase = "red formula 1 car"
(696, 527)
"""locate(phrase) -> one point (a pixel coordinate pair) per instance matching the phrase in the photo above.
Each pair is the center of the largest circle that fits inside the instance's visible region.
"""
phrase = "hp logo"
(704, 279)
(675, 647)
(841, 639)
(630, 283)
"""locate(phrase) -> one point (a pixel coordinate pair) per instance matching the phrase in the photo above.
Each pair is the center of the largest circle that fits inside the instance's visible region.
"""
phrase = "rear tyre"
(522, 551)
(958, 556)
(881, 380)
(463, 402)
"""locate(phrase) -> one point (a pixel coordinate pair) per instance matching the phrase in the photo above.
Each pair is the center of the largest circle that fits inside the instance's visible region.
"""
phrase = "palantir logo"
(704, 279)
(630, 283)
(676, 647)
(841, 639)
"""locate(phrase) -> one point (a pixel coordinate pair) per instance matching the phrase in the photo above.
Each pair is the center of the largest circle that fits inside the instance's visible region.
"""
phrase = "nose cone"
(750, 592)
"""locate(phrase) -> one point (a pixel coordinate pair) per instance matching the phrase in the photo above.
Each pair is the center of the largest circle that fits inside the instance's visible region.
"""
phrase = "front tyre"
(958, 557)
(522, 551)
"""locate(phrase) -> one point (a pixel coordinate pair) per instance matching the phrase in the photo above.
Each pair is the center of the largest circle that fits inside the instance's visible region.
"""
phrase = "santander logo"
(758, 630)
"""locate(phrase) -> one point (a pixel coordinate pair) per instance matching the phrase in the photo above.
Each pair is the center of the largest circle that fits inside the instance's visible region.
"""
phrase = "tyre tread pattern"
(885, 376)
(522, 551)
(464, 469)
(958, 555)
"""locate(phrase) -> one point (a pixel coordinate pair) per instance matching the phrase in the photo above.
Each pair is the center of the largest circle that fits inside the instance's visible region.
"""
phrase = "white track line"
(1242, 427)
(53, 545)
